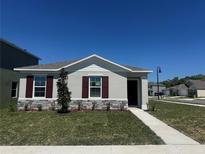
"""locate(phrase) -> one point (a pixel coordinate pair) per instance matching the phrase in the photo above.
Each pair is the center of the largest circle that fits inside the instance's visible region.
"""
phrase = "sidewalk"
(168, 134)
(184, 103)
(113, 149)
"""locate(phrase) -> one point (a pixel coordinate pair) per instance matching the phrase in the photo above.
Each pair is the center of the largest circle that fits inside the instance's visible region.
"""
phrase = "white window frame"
(96, 87)
(39, 86)
(14, 89)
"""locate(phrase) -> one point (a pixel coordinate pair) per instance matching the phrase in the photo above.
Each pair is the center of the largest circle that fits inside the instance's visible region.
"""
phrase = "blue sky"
(146, 33)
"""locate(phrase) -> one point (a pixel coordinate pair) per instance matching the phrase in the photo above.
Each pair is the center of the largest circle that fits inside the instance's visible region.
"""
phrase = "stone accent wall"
(36, 105)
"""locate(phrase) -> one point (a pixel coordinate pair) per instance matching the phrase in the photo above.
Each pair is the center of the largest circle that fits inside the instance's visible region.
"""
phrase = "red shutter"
(85, 87)
(105, 87)
(29, 86)
(49, 87)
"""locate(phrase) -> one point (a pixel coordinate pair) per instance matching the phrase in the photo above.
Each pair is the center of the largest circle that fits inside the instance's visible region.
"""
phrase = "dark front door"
(132, 92)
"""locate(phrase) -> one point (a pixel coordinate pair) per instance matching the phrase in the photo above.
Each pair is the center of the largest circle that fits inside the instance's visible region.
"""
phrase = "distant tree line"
(177, 80)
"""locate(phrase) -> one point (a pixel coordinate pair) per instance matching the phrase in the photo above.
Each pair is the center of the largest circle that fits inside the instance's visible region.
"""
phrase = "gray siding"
(11, 57)
(7, 76)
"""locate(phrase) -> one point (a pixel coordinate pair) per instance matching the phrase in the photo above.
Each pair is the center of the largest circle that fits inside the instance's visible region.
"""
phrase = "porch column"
(144, 92)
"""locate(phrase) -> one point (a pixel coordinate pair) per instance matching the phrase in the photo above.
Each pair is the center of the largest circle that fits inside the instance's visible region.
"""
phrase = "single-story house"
(153, 88)
(198, 86)
(179, 90)
(92, 79)
(166, 91)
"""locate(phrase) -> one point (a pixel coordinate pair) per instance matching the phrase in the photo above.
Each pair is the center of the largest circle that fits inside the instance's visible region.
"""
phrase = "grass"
(76, 128)
(190, 120)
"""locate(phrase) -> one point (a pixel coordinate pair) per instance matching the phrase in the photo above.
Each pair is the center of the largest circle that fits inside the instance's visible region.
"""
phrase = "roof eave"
(19, 48)
(46, 70)
(21, 69)
(143, 71)
(83, 59)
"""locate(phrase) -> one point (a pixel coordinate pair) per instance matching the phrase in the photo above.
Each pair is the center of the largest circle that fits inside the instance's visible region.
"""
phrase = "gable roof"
(49, 66)
(155, 84)
(179, 87)
(134, 68)
(19, 48)
(196, 84)
(59, 65)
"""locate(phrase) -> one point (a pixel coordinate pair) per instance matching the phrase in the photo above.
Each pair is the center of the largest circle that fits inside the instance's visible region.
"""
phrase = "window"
(40, 86)
(14, 89)
(95, 86)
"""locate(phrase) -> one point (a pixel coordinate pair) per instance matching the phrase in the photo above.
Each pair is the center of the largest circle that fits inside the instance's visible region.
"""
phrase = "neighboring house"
(153, 88)
(92, 79)
(11, 57)
(179, 90)
(166, 91)
(198, 86)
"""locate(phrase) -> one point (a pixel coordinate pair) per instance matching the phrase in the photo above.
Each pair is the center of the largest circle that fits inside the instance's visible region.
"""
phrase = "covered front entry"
(132, 92)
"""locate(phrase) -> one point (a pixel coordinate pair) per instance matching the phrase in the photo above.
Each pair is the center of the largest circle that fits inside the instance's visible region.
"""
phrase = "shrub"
(64, 97)
(62, 111)
(79, 105)
(12, 107)
(26, 107)
(108, 106)
(39, 106)
(192, 93)
(122, 105)
(53, 106)
(151, 106)
(94, 104)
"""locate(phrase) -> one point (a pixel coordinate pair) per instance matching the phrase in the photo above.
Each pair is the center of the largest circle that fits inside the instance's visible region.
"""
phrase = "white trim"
(95, 74)
(37, 98)
(17, 84)
(83, 59)
(132, 79)
(94, 55)
(33, 95)
(91, 86)
(86, 99)
(143, 71)
(26, 69)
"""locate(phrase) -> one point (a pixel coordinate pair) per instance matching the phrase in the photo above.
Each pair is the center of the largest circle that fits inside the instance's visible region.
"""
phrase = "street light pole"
(158, 71)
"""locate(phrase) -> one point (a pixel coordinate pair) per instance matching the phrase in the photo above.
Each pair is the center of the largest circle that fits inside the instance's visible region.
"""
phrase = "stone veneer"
(35, 105)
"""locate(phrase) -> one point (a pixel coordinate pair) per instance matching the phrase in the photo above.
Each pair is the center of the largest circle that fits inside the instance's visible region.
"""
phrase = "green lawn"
(76, 128)
(190, 120)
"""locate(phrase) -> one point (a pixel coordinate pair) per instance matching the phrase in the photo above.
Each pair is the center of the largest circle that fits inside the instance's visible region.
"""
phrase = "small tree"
(63, 92)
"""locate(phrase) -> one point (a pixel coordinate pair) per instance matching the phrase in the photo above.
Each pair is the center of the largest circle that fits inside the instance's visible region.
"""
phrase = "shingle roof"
(196, 84)
(19, 48)
(134, 68)
(155, 84)
(59, 65)
(180, 86)
(55, 65)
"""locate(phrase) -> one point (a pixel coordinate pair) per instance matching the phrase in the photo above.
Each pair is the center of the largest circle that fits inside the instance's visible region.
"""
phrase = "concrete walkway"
(184, 103)
(168, 134)
(112, 149)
